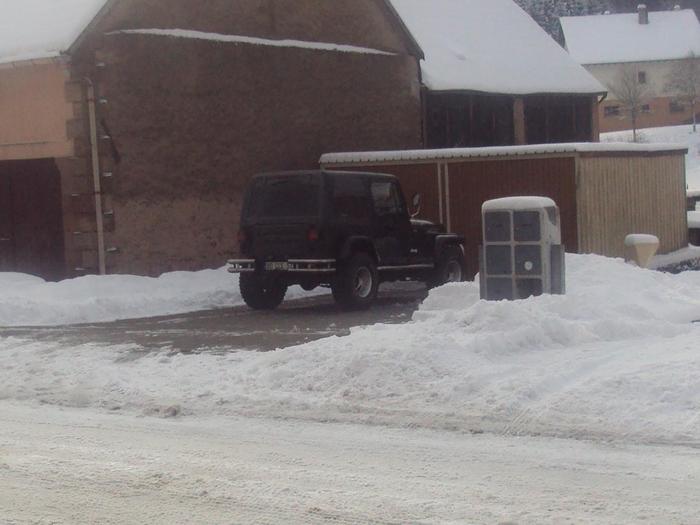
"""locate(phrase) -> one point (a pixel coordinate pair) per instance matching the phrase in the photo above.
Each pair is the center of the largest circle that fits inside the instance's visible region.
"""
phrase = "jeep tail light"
(312, 234)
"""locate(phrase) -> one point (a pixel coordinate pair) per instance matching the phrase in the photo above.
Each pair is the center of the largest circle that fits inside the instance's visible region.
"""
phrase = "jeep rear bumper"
(324, 266)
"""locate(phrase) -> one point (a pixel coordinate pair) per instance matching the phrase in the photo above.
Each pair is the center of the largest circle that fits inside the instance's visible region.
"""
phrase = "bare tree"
(684, 83)
(631, 94)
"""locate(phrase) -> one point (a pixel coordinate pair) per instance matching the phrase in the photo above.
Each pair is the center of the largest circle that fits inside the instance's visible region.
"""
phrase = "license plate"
(277, 266)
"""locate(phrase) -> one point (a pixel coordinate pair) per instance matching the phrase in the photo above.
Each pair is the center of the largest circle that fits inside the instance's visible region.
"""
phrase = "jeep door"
(392, 228)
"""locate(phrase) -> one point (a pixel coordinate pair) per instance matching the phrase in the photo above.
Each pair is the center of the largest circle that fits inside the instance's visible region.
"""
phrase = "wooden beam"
(595, 119)
(519, 121)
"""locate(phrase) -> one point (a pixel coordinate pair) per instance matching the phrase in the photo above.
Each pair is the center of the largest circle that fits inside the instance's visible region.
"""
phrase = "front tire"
(450, 268)
(261, 294)
(357, 283)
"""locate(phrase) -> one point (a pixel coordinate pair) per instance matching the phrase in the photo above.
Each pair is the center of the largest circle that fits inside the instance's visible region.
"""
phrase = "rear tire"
(450, 268)
(357, 282)
(261, 294)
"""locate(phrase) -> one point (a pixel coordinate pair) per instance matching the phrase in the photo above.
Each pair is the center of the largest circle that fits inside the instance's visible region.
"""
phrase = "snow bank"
(618, 357)
(30, 301)
(671, 134)
(686, 255)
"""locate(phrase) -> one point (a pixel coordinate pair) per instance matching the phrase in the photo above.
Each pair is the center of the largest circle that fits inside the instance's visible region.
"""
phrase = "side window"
(386, 198)
(350, 200)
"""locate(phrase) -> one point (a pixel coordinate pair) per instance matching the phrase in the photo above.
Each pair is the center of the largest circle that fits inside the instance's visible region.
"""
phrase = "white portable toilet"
(522, 254)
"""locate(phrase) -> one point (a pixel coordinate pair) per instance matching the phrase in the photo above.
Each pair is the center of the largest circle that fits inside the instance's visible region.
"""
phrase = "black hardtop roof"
(332, 173)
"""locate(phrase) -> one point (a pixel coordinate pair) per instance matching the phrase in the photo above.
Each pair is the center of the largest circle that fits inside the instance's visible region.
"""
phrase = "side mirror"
(417, 201)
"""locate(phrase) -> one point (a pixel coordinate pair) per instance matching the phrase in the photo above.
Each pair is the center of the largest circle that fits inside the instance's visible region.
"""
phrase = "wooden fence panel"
(473, 182)
(622, 195)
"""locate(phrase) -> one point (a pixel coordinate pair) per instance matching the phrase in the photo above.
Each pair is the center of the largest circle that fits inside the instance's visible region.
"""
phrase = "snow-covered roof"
(35, 29)
(518, 203)
(612, 39)
(490, 46)
(428, 155)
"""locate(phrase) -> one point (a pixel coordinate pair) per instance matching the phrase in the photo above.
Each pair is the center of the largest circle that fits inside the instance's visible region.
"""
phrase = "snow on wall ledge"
(496, 151)
(238, 39)
(618, 358)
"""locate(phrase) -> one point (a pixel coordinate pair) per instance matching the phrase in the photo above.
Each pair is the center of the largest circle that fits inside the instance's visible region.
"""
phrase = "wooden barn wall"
(473, 182)
(623, 195)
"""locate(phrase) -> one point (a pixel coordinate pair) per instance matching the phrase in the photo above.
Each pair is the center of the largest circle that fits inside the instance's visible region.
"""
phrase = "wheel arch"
(442, 242)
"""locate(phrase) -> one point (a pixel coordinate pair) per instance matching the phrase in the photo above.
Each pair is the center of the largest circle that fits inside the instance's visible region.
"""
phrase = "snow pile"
(30, 301)
(681, 257)
(31, 29)
(490, 46)
(618, 357)
(673, 135)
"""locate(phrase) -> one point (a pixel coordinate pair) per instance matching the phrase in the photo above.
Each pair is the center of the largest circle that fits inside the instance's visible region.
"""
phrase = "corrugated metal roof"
(495, 151)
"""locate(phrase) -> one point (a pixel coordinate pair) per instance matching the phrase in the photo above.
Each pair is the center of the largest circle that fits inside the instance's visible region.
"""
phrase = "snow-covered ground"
(30, 301)
(617, 358)
(75, 467)
(459, 416)
(668, 135)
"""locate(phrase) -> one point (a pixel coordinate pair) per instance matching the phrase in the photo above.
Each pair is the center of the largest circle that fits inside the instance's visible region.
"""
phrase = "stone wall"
(184, 123)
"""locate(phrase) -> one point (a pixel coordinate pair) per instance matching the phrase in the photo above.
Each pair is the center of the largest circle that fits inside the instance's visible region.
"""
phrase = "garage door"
(31, 219)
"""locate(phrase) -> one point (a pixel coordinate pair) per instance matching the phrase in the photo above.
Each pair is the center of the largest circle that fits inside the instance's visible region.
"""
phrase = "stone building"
(128, 128)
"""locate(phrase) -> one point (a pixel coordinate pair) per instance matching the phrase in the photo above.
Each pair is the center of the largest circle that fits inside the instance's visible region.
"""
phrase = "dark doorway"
(456, 120)
(555, 119)
(31, 218)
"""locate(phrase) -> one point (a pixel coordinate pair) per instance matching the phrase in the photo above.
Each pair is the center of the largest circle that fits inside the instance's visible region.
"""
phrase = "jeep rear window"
(286, 196)
(351, 199)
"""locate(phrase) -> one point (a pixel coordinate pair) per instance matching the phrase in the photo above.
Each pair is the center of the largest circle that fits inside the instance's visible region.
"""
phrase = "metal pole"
(96, 178)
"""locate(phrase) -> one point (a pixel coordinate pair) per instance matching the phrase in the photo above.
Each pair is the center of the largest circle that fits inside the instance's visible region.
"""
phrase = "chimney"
(643, 14)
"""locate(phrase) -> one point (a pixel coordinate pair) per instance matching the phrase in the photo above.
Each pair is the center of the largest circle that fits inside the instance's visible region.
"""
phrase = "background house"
(492, 76)
(128, 128)
(649, 44)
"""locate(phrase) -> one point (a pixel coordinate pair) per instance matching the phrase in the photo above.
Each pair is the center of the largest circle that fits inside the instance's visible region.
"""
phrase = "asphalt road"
(239, 328)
